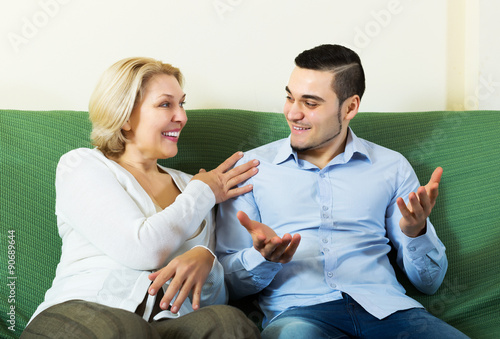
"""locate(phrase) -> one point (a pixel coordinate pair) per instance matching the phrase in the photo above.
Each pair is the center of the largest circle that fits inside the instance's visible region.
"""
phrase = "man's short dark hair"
(349, 77)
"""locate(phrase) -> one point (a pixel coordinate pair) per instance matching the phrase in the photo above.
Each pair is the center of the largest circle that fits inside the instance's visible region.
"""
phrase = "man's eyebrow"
(313, 97)
(307, 96)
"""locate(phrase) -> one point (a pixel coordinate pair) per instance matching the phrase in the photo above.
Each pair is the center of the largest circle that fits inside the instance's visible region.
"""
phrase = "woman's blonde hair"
(115, 96)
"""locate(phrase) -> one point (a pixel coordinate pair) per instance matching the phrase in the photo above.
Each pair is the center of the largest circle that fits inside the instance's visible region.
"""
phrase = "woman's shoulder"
(82, 153)
(80, 158)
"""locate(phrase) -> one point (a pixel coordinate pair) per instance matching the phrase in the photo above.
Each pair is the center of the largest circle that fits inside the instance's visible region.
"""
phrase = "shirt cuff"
(254, 262)
(205, 198)
(420, 246)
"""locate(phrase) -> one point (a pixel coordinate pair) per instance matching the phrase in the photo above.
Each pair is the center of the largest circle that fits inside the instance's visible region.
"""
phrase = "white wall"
(487, 89)
(239, 53)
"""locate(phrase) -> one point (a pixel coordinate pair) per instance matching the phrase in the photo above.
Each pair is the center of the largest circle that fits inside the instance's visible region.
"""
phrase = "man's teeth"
(171, 134)
(299, 128)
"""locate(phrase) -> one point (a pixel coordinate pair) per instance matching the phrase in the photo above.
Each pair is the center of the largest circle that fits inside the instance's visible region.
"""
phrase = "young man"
(344, 199)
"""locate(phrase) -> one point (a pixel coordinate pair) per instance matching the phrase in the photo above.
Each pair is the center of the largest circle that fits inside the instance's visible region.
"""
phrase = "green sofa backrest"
(467, 219)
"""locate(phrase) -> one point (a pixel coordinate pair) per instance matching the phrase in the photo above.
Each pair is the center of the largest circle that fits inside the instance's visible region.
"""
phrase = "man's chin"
(300, 148)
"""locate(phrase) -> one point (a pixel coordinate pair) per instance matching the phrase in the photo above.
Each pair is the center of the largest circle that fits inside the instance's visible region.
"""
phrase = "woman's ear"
(126, 126)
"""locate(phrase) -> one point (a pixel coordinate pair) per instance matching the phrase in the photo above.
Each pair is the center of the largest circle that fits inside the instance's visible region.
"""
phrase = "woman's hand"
(188, 272)
(224, 178)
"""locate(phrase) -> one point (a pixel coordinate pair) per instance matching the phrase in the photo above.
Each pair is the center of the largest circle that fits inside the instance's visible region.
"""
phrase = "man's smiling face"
(312, 112)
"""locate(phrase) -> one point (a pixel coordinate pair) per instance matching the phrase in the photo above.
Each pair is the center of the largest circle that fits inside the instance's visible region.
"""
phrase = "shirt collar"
(285, 152)
(354, 146)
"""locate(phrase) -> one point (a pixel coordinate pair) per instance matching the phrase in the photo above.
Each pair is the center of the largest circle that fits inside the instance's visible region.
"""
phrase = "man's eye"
(311, 104)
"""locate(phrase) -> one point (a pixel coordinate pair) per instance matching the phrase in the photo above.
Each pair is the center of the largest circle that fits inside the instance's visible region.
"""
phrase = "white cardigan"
(113, 236)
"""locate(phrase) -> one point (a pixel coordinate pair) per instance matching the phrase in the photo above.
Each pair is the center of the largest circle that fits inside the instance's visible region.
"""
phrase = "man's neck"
(322, 156)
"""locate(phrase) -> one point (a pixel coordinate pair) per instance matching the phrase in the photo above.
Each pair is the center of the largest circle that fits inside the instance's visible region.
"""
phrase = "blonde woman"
(124, 220)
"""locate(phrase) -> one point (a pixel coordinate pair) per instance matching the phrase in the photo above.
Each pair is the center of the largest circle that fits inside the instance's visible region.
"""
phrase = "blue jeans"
(345, 318)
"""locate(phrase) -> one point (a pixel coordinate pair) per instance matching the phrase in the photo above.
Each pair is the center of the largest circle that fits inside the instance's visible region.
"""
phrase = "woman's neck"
(137, 163)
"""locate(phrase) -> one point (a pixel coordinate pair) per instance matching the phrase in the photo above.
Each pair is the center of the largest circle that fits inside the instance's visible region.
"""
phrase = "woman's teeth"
(171, 134)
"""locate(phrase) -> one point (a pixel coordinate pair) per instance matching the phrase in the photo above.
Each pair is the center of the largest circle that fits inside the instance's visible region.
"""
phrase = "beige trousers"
(82, 319)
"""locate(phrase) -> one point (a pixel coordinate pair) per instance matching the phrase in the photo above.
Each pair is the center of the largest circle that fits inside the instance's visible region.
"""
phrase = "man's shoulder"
(377, 149)
(380, 155)
(268, 151)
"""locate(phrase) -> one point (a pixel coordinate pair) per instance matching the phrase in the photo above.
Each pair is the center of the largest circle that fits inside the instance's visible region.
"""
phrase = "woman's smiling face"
(157, 119)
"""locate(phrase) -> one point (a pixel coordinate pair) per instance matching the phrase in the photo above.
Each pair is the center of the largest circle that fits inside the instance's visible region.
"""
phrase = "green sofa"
(467, 217)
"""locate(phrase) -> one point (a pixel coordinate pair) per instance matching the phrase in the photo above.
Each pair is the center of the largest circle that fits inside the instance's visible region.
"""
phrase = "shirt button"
(325, 215)
(329, 274)
(325, 240)
(326, 250)
(412, 249)
(325, 208)
(322, 175)
(332, 285)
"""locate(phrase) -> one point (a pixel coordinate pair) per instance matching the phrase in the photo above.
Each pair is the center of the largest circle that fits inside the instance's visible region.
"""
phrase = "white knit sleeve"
(92, 200)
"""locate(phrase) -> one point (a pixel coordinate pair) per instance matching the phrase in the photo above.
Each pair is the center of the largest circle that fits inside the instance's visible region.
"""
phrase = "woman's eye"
(182, 104)
(165, 104)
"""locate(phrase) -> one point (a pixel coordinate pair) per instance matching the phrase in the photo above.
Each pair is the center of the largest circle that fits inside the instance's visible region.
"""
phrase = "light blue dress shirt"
(346, 214)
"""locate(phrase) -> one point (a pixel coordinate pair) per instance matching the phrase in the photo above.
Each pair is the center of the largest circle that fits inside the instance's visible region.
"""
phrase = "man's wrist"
(422, 231)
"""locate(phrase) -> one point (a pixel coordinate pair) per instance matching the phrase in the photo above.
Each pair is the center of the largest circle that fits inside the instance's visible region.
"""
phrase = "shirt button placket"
(325, 231)
(325, 199)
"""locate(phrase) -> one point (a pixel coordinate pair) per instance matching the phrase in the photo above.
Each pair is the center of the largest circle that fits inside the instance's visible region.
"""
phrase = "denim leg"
(347, 319)
(415, 323)
(316, 321)
(289, 327)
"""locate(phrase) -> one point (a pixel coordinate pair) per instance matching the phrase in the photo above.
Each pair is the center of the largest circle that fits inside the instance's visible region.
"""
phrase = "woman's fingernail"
(152, 291)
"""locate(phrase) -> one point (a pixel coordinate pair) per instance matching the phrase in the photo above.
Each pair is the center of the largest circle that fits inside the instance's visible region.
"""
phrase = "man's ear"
(351, 105)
